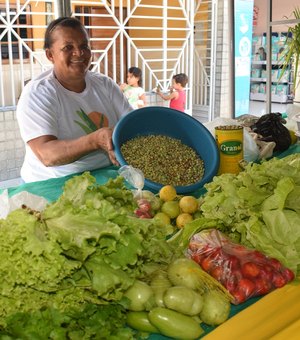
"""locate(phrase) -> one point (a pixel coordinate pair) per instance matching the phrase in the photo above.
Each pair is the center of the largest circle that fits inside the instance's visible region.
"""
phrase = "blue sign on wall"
(243, 21)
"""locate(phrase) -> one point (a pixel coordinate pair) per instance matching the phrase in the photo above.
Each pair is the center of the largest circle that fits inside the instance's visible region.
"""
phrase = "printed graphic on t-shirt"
(99, 119)
(92, 121)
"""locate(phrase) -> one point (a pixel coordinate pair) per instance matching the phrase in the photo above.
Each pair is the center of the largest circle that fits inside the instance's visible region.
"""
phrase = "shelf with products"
(281, 87)
(264, 80)
(276, 98)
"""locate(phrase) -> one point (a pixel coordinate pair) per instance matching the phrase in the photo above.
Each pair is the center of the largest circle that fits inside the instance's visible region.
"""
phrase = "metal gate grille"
(155, 35)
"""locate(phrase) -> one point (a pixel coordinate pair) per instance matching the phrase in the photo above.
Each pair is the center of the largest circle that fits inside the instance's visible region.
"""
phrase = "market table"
(274, 316)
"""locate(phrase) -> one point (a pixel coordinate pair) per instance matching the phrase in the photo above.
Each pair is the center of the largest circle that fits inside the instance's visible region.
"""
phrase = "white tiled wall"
(11, 147)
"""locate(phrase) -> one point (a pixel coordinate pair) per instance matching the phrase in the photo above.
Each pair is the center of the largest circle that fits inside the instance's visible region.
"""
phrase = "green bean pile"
(164, 160)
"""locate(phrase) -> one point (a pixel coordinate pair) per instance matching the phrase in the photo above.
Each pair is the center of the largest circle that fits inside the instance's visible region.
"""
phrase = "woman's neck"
(77, 86)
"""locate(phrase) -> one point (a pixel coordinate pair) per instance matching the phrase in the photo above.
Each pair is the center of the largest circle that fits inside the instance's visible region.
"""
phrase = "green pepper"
(175, 325)
(140, 322)
(183, 300)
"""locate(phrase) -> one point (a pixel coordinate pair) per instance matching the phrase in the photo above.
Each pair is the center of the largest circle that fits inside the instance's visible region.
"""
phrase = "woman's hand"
(104, 139)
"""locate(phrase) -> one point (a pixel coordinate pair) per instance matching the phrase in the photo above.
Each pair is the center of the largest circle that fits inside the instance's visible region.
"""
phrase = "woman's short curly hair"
(61, 22)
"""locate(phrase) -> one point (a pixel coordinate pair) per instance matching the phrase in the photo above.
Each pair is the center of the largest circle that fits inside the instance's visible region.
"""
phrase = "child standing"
(133, 90)
(177, 95)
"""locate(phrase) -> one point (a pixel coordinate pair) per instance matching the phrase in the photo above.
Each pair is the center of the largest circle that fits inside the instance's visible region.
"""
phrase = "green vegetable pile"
(259, 208)
(176, 300)
(64, 271)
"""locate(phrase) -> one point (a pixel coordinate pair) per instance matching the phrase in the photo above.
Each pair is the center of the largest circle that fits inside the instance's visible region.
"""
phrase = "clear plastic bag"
(244, 272)
(146, 200)
(135, 177)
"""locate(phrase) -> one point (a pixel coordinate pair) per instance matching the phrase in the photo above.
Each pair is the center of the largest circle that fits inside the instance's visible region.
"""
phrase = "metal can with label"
(229, 139)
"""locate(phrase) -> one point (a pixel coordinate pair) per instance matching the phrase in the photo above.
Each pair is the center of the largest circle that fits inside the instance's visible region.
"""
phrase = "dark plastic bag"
(270, 127)
(244, 272)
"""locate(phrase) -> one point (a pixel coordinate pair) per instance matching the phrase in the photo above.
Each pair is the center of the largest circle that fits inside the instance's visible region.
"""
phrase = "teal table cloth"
(51, 189)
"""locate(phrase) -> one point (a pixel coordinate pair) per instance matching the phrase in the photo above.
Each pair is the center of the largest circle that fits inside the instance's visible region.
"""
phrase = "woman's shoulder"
(43, 82)
(99, 78)
(40, 90)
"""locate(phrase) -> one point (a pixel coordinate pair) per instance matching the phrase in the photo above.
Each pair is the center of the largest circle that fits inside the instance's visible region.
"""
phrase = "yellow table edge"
(275, 316)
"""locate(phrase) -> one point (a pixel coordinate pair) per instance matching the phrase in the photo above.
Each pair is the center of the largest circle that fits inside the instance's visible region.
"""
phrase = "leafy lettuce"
(82, 251)
(259, 207)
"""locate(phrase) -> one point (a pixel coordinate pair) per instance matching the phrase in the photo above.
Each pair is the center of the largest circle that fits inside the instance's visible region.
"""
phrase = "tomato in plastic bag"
(244, 272)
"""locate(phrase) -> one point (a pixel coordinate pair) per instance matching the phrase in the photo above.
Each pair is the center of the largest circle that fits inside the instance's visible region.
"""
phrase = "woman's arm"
(52, 151)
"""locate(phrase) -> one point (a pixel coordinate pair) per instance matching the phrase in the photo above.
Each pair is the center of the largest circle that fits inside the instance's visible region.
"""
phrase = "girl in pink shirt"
(177, 95)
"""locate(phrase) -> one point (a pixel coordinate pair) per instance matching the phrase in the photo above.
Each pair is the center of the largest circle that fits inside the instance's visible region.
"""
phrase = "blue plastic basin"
(158, 120)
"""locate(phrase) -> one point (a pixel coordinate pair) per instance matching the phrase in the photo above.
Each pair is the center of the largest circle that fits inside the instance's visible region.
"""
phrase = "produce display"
(72, 271)
(244, 272)
(258, 208)
(164, 159)
(104, 263)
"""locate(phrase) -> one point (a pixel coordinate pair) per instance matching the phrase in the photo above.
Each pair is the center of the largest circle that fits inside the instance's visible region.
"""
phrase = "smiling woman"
(66, 115)
(70, 53)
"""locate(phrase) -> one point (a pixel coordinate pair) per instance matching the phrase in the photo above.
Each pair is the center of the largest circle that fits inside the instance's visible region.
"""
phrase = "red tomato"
(217, 255)
(262, 286)
(207, 263)
(247, 286)
(233, 262)
(278, 280)
(275, 264)
(239, 296)
(231, 283)
(268, 267)
(288, 274)
(197, 257)
(240, 250)
(266, 272)
(257, 256)
(217, 273)
(237, 274)
(250, 269)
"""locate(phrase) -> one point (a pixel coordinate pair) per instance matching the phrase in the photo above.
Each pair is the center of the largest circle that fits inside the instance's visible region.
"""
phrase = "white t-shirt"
(47, 108)
(133, 95)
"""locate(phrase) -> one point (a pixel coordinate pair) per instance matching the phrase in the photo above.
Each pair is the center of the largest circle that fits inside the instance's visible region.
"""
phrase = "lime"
(167, 193)
(182, 219)
(171, 208)
(162, 218)
(188, 204)
(156, 203)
